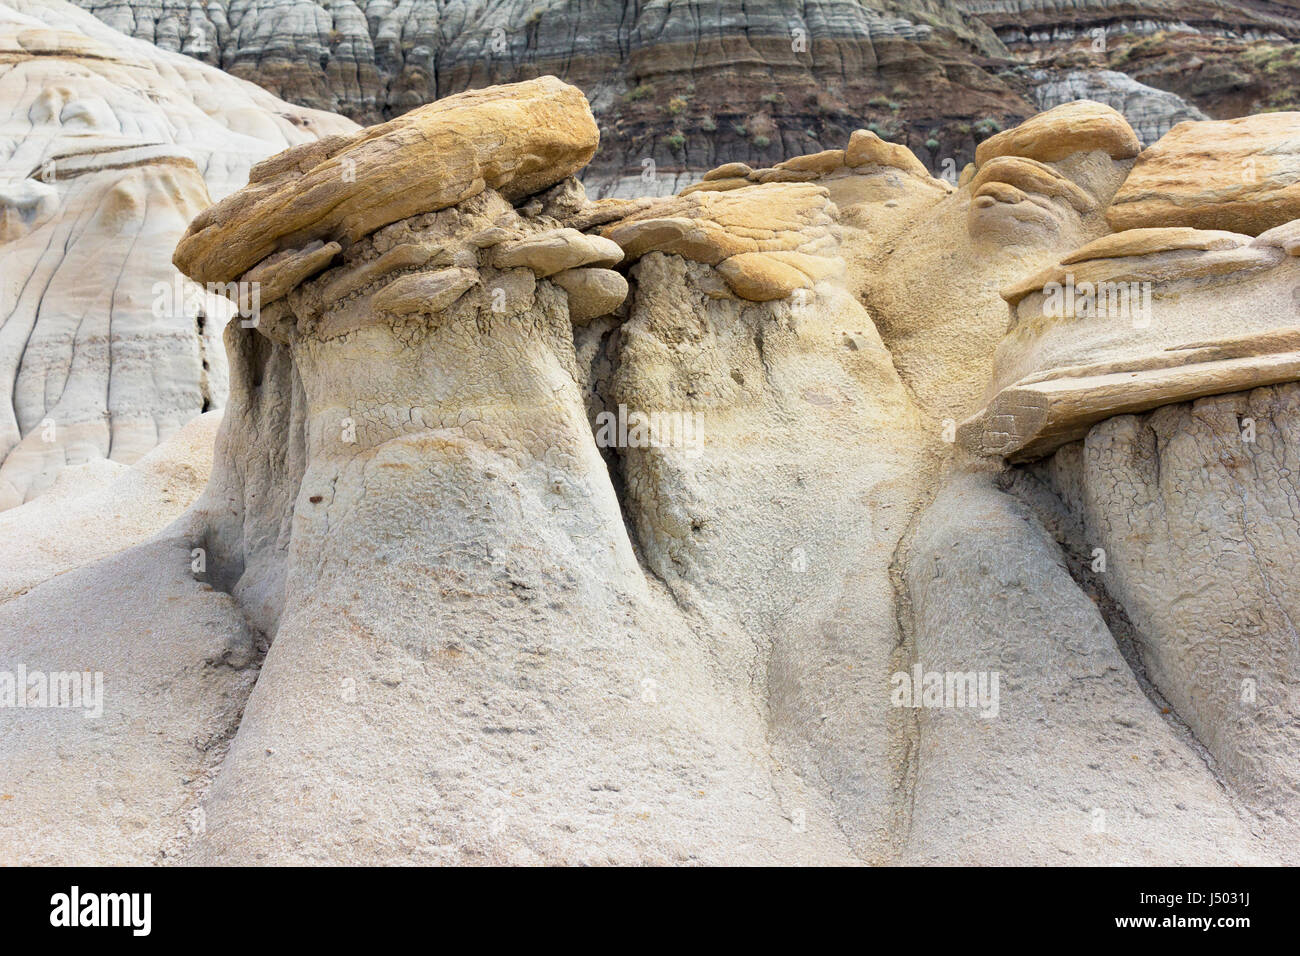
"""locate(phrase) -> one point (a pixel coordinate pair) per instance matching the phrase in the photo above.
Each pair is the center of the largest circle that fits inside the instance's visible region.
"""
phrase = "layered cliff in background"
(1227, 59)
(678, 88)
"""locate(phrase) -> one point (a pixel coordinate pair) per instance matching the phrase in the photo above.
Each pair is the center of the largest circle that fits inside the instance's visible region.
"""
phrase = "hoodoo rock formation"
(429, 383)
(550, 529)
(1131, 321)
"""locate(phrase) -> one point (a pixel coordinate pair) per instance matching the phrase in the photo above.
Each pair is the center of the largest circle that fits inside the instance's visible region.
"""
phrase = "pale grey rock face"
(990, 593)
(1194, 506)
(90, 368)
(172, 657)
(102, 507)
(139, 95)
(108, 148)
(162, 665)
(1150, 112)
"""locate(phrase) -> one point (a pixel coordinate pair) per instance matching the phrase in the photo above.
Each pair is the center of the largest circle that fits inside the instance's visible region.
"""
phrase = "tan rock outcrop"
(1141, 242)
(423, 293)
(865, 154)
(592, 292)
(865, 148)
(276, 275)
(1126, 324)
(1285, 237)
(552, 252)
(766, 239)
(875, 189)
(1030, 420)
(1173, 252)
(1049, 137)
(1242, 175)
(763, 276)
(818, 164)
(1010, 179)
(934, 287)
(347, 187)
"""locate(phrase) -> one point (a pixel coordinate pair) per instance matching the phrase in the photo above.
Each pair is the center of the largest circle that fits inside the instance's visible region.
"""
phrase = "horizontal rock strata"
(1242, 175)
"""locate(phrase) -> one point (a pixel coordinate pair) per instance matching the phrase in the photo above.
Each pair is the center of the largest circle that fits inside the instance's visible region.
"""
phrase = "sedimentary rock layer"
(679, 89)
(676, 89)
(1241, 175)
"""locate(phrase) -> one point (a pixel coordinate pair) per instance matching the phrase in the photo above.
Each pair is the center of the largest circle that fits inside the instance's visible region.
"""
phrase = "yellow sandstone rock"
(1081, 126)
(551, 252)
(763, 276)
(867, 149)
(517, 139)
(1241, 174)
(592, 292)
(1029, 176)
(709, 227)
